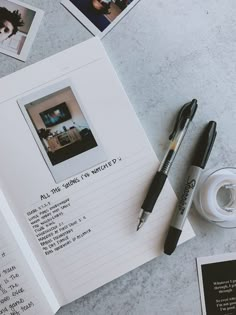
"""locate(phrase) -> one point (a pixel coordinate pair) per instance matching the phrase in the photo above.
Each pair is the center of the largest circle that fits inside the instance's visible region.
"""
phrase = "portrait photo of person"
(99, 16)
(9, 23)
(18, 26)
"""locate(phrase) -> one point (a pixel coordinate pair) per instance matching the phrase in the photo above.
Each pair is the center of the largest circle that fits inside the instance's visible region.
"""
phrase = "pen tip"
(140, 225)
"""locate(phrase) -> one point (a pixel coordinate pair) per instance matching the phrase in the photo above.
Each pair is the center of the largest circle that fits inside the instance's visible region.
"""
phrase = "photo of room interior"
(61, 125)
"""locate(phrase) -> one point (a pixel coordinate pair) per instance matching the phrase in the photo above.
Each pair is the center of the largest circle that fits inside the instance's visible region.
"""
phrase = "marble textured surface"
(165, 53)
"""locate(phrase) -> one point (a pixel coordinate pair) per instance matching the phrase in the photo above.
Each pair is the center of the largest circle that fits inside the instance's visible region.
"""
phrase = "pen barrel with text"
(186, 199)
(183, 208)
(202, 154)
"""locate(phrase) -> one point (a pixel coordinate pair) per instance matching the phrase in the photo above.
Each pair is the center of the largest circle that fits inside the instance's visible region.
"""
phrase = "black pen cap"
(205, 145)
(171, 240)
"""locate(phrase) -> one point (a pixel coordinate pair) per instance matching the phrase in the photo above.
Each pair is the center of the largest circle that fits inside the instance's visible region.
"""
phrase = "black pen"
(183, 120)
(201, 156)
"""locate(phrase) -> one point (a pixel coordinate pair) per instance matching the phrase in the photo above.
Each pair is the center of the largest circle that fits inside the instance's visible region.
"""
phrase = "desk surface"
(166, 53)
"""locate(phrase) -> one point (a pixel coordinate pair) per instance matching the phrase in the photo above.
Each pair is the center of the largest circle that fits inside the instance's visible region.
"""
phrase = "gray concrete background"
(165, 53)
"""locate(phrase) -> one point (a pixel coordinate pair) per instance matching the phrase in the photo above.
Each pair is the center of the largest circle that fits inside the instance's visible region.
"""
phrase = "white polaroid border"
(30, 36)
(205, 261)
(73, 165)
(88, 24)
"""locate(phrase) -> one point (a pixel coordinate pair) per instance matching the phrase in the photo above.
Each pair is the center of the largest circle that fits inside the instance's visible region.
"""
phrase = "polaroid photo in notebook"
(217, 282)
(19, 23)
(99, 16)
(62, 130)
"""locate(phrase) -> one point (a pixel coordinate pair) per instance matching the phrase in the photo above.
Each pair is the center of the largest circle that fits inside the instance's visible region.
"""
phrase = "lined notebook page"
(19, 290)
(83, 230)
(100, 220)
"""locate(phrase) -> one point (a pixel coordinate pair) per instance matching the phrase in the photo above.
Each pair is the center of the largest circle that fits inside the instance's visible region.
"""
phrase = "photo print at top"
(99, 16)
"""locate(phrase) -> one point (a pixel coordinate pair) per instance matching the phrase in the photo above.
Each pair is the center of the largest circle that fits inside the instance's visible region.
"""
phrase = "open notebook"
(75, 168)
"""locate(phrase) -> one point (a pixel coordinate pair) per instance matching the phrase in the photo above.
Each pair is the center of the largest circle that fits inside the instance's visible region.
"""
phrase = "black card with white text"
(217, 282)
